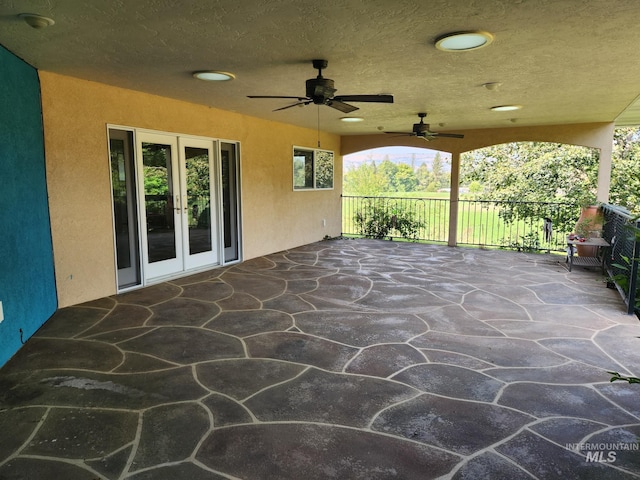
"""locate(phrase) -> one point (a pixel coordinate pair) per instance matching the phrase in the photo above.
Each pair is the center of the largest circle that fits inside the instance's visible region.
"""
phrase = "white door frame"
(176, 209)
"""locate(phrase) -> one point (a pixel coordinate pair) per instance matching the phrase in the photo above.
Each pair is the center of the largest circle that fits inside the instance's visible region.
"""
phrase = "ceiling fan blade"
(448, 135)
(306, 102)
(338, 105)
(402, 133)
(276, 96)
(365, 98)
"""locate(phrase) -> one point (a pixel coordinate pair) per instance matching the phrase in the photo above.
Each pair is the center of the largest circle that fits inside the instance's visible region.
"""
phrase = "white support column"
(604, 171)
(453, 199)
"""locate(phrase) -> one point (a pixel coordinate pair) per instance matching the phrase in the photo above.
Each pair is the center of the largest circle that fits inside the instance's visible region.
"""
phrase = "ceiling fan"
(421, 130)
(321, 91)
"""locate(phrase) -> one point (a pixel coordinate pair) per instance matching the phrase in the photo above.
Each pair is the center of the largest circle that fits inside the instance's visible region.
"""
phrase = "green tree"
(438, 175)
(364, 181)
(625, 179)
(405, 179)
(423, 176)
(532, 172)
(475, 187)
(387, 169)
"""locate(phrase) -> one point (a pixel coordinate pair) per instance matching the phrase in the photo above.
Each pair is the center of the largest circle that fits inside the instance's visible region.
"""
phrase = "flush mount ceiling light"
(463, 41)
(351, 119)
(505, 108)
(36, 21)
(213, 76)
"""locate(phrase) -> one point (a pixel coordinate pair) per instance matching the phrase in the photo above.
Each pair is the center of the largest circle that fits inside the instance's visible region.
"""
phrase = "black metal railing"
(382, 217)
(527, 226)
(621, 230)
(530, 226)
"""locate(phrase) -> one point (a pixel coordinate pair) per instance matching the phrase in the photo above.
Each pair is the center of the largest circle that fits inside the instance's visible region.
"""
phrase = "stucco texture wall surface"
(76, 114)
(27, 288)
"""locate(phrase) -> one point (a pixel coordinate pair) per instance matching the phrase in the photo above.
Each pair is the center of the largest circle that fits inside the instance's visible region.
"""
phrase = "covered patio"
(345, 359)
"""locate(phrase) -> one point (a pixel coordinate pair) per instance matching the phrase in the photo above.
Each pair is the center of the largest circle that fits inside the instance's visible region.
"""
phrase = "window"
(312, 169)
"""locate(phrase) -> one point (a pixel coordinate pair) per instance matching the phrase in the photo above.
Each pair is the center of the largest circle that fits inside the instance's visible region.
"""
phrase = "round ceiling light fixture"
(213, 76)
(505, 108)
(463, 41)
(36, 21)
(351, 119)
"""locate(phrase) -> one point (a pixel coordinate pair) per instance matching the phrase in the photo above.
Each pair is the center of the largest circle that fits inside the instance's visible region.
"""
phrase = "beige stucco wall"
(76, 114)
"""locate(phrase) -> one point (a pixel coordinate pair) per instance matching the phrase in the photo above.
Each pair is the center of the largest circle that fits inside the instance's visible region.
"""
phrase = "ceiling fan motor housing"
(320, 89)
(420, 127)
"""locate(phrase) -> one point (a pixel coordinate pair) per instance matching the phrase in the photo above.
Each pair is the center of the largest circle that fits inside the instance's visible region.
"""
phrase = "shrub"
(382, 221)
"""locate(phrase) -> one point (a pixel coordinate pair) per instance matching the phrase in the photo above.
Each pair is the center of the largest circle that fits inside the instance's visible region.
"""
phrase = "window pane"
(120, 201)
(324, 169)
(302, 168)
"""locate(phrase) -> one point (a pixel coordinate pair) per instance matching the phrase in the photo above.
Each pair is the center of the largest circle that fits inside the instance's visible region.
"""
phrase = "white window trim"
(315, 152)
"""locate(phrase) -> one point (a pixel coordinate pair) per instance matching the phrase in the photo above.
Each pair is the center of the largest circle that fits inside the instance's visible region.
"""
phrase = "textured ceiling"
(565, 61)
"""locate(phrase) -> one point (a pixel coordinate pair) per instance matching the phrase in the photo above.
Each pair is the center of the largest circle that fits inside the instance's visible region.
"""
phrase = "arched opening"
(396, 192)
(396, 170)
(520, 195)
(525, 195)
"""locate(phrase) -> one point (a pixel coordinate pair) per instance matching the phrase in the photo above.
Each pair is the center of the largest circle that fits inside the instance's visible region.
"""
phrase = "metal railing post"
(633, 280)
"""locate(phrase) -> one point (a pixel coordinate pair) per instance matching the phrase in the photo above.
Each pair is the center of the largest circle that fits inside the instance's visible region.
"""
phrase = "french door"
(179, 227)
(175, 202)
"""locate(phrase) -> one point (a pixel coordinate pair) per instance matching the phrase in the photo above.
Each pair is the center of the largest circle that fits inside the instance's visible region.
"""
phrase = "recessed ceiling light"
(505, 108)
(351, 119)
(463, 41)
(214, 76)
(36, 21)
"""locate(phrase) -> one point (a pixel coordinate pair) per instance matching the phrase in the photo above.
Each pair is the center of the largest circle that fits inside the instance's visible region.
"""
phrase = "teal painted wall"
(27, 283)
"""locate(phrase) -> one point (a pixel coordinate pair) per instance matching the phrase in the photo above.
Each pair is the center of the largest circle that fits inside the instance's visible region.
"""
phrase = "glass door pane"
(160, 204)
(198, 199)
(199, 221)
(158, 201)
(124, 207)
(230, 200)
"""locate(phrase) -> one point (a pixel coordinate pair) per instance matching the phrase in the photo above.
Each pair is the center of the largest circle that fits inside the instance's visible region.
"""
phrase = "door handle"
(177, 205)
(185, 204)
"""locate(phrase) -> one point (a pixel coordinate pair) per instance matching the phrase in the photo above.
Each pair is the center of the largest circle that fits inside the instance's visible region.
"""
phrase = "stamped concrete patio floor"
(343, 359)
